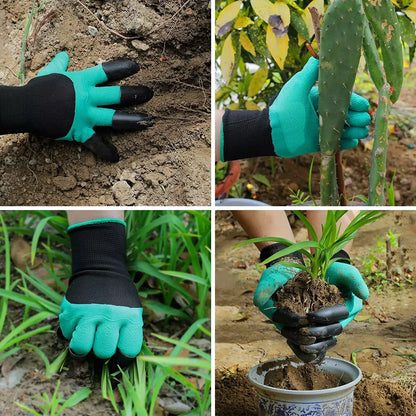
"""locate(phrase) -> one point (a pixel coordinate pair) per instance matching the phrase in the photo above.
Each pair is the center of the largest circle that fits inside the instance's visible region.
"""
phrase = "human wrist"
(266, 252)
(99, 245)
(245, 134)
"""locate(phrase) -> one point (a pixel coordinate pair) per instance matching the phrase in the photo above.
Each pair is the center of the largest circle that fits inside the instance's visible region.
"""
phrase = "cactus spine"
(341, 41)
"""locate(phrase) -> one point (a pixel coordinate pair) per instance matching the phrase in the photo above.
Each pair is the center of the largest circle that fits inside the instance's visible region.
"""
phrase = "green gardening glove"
(71, 106)
(101, 310)
(349, 281)
(289, 126)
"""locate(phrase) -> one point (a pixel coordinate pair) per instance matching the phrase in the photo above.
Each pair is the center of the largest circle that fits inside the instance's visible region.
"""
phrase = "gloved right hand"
(289, 126)
(70, 105)
(101, 310)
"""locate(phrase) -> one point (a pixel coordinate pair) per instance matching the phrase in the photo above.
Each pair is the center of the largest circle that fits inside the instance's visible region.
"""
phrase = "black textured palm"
(310, 336)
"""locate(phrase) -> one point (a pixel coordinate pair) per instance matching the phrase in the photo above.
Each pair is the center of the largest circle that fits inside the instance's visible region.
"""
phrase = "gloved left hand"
(101, 310)
(66, 105)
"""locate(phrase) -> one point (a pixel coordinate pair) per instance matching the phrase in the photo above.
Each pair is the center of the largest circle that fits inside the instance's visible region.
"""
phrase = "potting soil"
(302, 294)
(303, 377)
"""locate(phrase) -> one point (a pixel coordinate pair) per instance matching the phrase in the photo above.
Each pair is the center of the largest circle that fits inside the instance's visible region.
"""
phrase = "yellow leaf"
(301, 40)
(319, 4)
(225, 18)
(233, 106)
(395, 3)
(257, 82)
(242, 21)
(246, 43)
(265, 9)
(278, 46)
(251, 105)
(411, 11)
(227, 59)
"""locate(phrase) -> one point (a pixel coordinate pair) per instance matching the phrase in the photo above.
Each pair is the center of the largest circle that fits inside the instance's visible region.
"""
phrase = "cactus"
(385, 26)
(372, 57)
(379, 152)
(341, 40)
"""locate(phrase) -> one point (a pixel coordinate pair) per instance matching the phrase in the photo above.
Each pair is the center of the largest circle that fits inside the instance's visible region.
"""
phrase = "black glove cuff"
(44, 106)
(99, 266)
(343, 255)
(271, 249)
(246, 133)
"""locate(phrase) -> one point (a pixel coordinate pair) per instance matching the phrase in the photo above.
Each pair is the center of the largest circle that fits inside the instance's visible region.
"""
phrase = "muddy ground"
(293, 174)
(169, 164)
(244, 337)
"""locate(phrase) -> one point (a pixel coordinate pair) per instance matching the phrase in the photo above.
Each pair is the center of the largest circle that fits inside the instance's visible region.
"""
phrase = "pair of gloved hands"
(310, 336)
(73, 106)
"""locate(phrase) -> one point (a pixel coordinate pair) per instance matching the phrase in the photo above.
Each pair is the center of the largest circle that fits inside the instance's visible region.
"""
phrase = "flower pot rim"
(329, 391)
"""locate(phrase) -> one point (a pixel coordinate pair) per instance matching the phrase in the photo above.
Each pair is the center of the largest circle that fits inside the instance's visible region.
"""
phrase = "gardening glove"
(312, 335)
(289, 126)
(70, 105)
(274, 277)
(101, 310)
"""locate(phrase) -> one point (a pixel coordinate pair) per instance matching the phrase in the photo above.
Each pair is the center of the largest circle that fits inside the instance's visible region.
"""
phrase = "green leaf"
(166, 310)
(299, 24)
(76, 398)
(408, 30)
(261, 178)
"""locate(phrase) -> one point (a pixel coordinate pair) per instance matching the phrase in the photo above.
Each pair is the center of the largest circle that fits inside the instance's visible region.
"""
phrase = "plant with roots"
(325, 247)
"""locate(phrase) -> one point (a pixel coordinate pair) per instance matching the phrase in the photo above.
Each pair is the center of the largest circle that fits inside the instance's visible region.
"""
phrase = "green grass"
(170, 249)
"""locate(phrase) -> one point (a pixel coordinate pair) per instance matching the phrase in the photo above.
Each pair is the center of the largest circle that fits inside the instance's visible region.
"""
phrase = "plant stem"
(340, 178)
(379, 153)
(25, 36)
(329, 192)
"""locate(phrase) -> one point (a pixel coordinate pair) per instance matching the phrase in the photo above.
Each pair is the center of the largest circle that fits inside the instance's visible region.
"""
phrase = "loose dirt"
(244, 337)
(304, 377)
(168, 164)
(302, 295)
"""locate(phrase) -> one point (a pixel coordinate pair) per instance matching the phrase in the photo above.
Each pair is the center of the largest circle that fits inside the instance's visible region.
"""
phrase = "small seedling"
(55, 405)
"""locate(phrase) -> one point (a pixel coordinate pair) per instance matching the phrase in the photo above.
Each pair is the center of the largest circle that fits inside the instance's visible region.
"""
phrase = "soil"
(303, 377)
(245, 337)
(302, 295)
(287, 176)
(168, 164)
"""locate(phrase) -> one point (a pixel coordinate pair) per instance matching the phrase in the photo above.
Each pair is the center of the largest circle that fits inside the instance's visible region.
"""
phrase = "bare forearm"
(265, 224)
(75, 217)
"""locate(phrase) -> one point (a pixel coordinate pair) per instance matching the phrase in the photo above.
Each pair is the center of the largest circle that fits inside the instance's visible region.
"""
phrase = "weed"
(384, 265)
(55, 405)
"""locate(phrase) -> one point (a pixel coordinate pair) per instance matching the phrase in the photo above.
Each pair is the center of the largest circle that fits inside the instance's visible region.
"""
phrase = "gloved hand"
(289, 126)
(310, 336)
(101, 310)
(69, 106)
